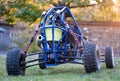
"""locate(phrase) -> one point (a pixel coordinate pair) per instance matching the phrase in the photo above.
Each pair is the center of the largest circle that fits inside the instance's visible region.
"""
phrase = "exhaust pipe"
(39, 40)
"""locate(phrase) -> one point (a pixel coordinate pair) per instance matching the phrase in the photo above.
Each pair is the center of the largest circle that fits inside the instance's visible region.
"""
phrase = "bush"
(23, 40)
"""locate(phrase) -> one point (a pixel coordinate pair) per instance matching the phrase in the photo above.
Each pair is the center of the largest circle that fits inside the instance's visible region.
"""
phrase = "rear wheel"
(14, 62)
(91, 58)
(42, 66)
(41, 59)
(109, 57)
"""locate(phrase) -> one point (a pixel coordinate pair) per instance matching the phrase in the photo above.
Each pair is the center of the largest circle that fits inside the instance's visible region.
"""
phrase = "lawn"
(66, 72)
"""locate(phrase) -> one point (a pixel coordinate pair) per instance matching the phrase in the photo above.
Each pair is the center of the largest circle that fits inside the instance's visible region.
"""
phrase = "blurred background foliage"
(29, 11)
(84, 10)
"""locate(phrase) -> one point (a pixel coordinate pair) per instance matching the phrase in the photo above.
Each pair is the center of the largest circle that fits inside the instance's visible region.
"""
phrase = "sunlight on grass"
(65, 72)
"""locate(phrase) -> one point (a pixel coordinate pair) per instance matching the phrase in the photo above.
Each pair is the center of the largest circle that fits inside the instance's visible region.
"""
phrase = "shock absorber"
(73, 36)
(33, 36)
(30, 41)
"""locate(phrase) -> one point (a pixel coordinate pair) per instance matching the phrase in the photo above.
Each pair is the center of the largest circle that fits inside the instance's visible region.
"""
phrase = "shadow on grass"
(64, 69)
(61, 69)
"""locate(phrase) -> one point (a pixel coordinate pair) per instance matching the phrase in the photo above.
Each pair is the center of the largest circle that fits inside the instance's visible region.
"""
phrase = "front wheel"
(109, 57)
(91, 58)
(14, 62)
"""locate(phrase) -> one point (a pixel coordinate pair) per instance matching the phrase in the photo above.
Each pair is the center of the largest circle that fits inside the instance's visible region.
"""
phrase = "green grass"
(66, 72)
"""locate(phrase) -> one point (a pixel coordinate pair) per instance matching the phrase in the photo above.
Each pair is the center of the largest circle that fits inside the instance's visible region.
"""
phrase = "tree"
(30, 10)
(105, 12)
(71, 3)
(19, 10)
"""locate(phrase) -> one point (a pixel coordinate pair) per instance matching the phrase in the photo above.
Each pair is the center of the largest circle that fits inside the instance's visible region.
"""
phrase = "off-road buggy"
(59, 42)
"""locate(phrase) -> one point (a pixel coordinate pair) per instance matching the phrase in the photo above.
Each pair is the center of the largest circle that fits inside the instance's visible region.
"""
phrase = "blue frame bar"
(55, 46)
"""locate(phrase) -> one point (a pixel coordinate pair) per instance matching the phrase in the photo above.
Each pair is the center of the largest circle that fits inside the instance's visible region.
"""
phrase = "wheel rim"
(98, 58)
(112, 55)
